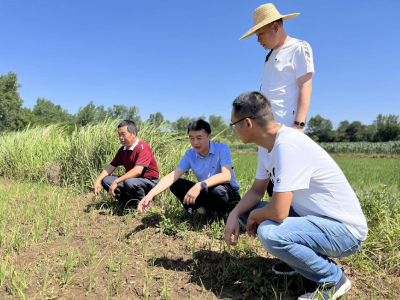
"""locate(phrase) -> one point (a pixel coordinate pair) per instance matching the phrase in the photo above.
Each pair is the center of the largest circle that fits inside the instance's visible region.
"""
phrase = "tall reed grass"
(56, 155)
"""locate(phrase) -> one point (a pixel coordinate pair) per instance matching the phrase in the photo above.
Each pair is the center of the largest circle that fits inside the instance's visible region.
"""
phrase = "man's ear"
(276, 27)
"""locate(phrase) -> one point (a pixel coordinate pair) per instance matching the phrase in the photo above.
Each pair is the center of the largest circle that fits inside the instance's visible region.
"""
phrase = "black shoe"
(283, 269)
(132, 203)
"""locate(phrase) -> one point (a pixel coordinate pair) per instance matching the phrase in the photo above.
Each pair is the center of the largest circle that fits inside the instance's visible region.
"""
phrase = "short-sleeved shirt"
(297, 164)
(206, 167)
(139, 154)
(285, 65)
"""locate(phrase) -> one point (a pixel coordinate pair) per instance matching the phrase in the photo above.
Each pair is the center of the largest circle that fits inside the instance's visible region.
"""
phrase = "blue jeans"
(306, 243)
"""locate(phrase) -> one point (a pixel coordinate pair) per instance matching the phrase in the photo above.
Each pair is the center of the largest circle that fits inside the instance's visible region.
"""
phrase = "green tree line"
(383, 129)
(13, 117)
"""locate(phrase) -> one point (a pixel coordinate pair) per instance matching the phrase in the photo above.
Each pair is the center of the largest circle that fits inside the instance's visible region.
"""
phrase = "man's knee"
(219, 191)
(175, 186)
(269, 233)
(133, 184)
(107, 181)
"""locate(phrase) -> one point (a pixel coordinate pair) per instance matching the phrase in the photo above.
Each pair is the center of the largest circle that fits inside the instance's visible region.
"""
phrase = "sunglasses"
(233, 124)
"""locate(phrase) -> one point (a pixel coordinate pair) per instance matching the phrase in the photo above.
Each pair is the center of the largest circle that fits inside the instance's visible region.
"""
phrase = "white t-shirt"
(297, 164)
(279, 80)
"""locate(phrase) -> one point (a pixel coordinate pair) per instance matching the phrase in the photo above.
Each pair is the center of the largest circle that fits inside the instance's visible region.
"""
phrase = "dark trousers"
(221, 198)
(132, 189)
(270, 188)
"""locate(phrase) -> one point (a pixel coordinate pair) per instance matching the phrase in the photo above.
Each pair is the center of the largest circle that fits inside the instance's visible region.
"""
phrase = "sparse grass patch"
(60, 241)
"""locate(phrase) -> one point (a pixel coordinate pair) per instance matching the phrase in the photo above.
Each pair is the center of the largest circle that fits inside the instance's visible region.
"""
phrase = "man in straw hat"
(288, 68)
(313, 214)
(287, 77)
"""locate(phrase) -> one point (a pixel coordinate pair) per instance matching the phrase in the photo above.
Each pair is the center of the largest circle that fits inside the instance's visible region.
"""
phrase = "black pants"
(270, 188)
(221, 198)
(132, 189)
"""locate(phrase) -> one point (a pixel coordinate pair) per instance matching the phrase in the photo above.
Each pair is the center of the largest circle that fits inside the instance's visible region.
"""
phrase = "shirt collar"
(133, 146)
(211, 151)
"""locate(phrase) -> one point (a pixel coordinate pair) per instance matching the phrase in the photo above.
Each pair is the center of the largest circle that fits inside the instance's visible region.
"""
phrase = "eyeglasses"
(233, 124)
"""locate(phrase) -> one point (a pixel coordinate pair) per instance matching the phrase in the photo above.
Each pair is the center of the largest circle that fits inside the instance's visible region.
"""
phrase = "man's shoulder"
(190, 152)
(222, 149)
(221, 146)
(143, 145)
(297, 44)
(291, 138)
(120, 149)
(290, 135)
(304, 47)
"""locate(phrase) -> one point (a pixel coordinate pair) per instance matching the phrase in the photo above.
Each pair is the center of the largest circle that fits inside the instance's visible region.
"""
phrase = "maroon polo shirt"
(140, 156)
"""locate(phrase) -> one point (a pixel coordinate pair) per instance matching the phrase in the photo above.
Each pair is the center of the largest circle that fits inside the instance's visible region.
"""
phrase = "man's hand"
(297, 127)
(192, 194)
(255, 219)
(144, 204)
(112, 188)
(232, 227)
(96, 188)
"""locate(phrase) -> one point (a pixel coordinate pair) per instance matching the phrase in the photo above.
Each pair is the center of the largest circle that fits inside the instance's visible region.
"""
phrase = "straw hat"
(264, 15)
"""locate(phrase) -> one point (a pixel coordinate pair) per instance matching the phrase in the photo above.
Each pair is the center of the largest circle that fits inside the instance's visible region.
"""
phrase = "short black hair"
(130, 125)
(279, 21)
(199, 125)
(254, 105)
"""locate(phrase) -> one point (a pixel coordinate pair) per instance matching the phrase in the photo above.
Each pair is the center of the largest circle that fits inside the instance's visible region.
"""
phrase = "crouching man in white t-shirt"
(313, 213)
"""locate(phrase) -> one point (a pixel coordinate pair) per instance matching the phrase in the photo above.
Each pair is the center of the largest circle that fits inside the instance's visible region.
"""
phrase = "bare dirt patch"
(102, 252)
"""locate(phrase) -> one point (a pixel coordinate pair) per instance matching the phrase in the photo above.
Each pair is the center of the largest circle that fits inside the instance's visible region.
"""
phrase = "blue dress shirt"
(205, 167)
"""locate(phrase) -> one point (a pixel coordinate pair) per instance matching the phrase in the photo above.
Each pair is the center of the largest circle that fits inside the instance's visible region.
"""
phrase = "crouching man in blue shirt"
(216, 189)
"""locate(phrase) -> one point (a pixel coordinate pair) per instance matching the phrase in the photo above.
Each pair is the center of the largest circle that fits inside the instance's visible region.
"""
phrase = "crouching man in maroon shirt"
(140, 167)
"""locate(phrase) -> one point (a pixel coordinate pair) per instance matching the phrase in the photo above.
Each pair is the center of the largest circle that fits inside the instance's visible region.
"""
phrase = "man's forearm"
(105, 173)
(303, 102)
(102, 176)
(164, 183)
(303, 105)
(278, 208)
(218, 179)
(249, 200)
(131, 174)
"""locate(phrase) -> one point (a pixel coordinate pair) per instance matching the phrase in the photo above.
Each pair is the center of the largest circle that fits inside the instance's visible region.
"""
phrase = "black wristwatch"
(203, 185)
(301, 124)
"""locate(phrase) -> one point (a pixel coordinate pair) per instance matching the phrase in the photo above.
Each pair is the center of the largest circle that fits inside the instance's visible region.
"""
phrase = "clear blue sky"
(183, 58)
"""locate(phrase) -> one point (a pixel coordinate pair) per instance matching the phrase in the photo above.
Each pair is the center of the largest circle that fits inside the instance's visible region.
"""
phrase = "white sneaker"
(331, 292)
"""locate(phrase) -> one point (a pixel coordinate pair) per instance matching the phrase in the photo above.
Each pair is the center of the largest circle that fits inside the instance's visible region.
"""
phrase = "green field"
(57, 241)
(362, 173)
(392, 147)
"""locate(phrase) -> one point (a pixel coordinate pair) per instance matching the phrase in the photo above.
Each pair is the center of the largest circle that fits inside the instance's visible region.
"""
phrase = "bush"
(57, 155)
